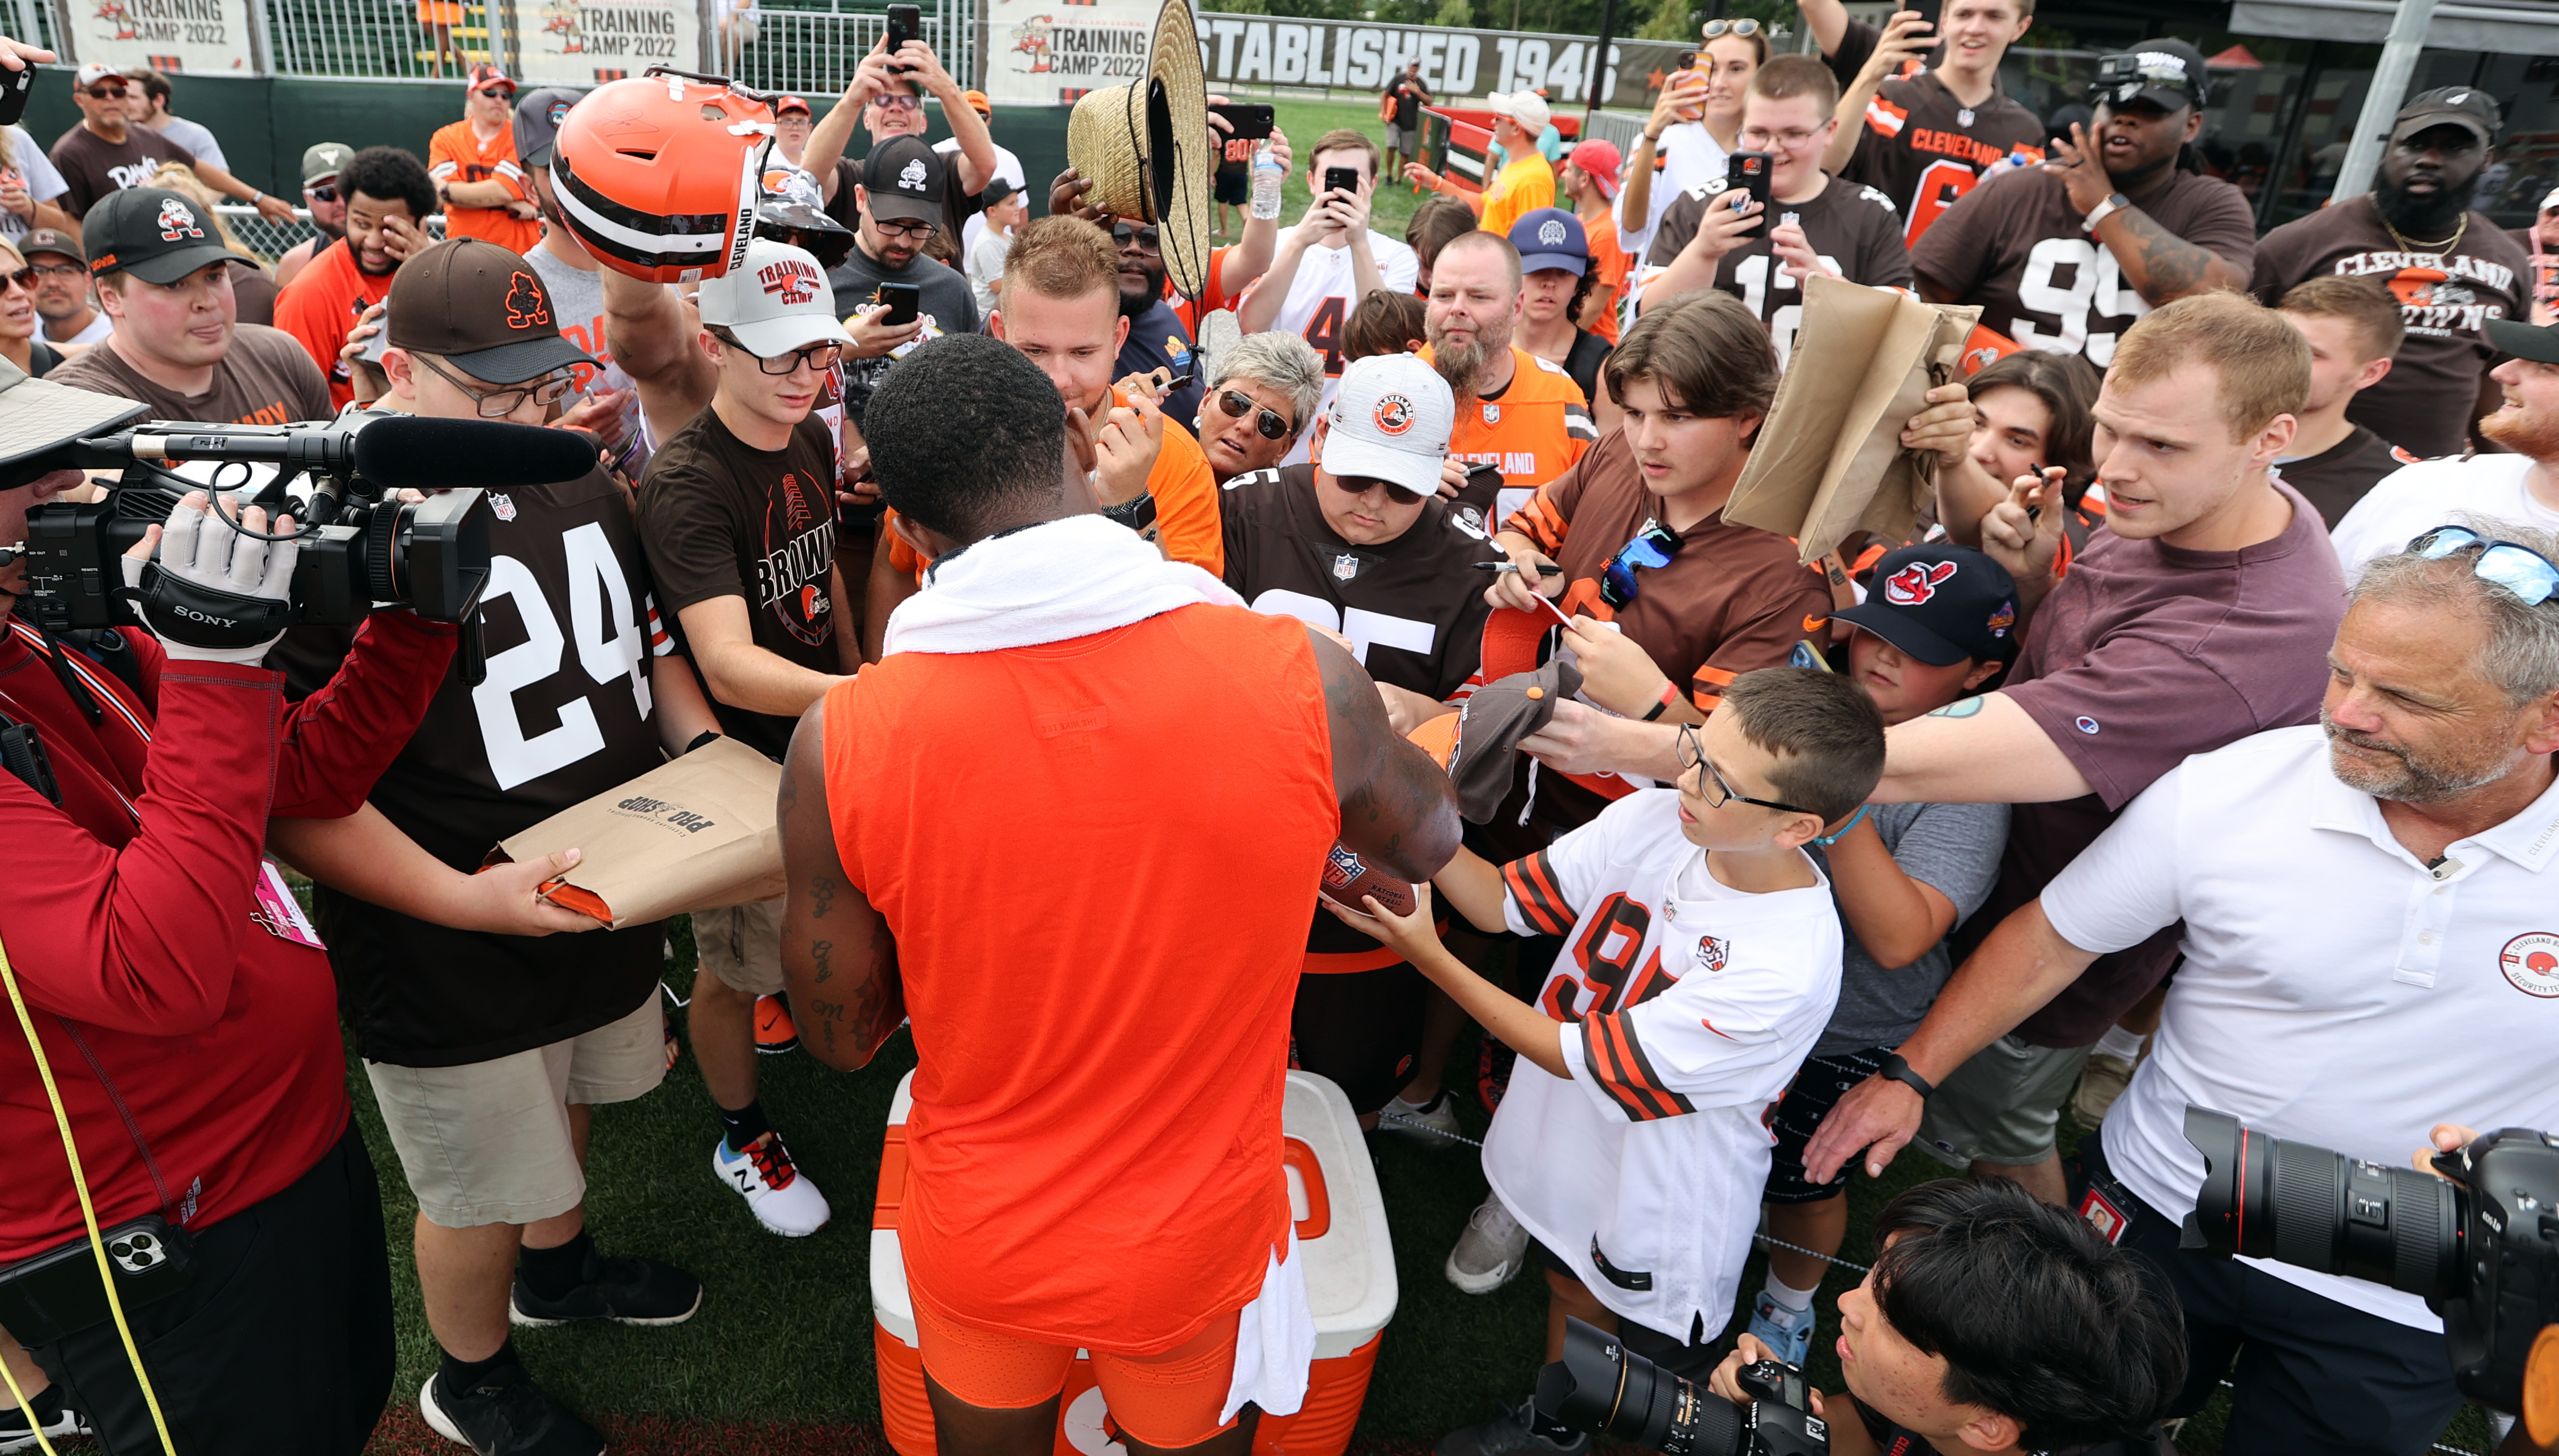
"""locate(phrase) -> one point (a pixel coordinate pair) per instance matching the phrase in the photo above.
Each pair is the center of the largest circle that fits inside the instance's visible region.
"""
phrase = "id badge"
(278, 912)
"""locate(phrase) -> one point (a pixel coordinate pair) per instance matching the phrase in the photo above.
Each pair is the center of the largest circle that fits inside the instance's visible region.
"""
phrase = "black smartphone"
(1342, 179)
(903, 299)
(1747, 172)
(905, 22)
(57, 1293)
(1928, 11)
(15, 88)
(1252, 120)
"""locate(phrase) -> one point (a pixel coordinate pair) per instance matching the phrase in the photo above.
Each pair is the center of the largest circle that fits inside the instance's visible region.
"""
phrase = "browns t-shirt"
(1919, 145)
(1851, 226)
(322, 303)
(549, 727)
(2338, 477)
(2014, 245)
(265, 378)
(2145, 654)
(723, 518)
(2430, 398)
(92, 166)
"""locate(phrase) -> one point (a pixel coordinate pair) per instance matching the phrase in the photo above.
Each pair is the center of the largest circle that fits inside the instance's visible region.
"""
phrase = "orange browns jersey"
(1186, 519)
(1533, 433)
(1211, 299)
(455, 154)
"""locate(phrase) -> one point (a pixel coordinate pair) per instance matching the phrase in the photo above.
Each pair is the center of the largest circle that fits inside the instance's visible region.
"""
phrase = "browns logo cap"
(1390, 423)
(902, 180)
(1940, 603)
(151, 232)
(778, 302)
(482, 306)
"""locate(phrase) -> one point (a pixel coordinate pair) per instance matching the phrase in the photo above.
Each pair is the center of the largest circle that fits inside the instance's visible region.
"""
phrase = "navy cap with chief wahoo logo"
(1940, 603)
(151, 232)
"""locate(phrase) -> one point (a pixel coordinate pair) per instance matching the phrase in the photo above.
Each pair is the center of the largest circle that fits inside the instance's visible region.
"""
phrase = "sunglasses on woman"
(2519, 569)
(1742, 28)
(22, 278)
(1652, 549)
(1236, 405)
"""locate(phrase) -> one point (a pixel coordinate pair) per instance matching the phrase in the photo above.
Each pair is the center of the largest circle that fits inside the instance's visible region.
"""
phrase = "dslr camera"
(1603, 1387)
(2481, 1245)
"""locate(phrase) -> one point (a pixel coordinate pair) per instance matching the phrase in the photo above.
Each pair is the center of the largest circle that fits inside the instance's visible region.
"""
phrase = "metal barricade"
(380, 39)
(271, 241)
(813, 52)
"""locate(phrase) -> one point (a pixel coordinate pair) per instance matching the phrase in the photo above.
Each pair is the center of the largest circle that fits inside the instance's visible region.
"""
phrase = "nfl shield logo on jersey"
(501, 507)
(1345, 566)
(1713, 952)
(1492, 414)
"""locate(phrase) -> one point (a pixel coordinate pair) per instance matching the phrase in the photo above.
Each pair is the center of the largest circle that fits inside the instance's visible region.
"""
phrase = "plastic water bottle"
(1266, 177)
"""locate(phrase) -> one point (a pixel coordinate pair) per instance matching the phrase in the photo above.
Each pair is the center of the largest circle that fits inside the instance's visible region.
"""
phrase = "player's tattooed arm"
(2162, 266)
(1397, 807)
(839, 959)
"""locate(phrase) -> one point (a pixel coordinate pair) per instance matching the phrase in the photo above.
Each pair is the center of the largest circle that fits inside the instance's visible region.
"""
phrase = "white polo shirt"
(2414, 498)
(1689, 154)
(2335, 990)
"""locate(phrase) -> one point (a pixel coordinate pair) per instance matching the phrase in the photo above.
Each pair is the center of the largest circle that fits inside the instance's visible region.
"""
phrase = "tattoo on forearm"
(822, 893)
(2171, 266)
(818, 951)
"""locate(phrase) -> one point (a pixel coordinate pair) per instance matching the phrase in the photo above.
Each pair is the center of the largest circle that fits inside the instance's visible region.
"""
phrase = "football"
(1349, 881)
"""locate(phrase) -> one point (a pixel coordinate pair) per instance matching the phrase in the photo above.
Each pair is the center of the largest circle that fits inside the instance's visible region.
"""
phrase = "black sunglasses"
(1271, 426)
(323, 192)
(1653, 548)
(22, 278)
(1357, 485)
(104, 93)
(1149, 240)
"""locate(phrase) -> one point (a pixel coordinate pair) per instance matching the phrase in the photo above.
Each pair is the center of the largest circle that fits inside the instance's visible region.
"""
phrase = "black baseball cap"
(483, 306)
(903, 176)
(2464, 106)
(1940, 603)
(151, 232)
(2537, 343)
(47, 240)
(2167, 71)
(539, 114)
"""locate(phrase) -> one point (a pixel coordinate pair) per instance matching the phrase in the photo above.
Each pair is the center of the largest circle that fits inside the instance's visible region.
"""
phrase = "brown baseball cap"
(47, 240)
(470, 301)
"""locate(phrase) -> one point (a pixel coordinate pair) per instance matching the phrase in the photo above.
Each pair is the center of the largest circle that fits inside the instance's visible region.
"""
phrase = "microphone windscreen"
(408, 452)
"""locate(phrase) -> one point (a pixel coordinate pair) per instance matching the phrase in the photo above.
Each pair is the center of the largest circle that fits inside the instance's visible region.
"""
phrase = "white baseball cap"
(1391, 421)
(1528, 108)
(777, 301)
(93, 72)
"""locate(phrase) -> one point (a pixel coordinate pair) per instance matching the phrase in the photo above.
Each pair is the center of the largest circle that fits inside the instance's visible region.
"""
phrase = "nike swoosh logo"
(1816, 624)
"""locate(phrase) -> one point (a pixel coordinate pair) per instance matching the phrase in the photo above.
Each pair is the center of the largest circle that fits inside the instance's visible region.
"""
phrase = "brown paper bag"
(1829, 459)
(693, 833)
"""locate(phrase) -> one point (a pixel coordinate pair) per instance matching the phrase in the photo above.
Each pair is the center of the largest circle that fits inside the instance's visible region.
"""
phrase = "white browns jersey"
(1319, 303)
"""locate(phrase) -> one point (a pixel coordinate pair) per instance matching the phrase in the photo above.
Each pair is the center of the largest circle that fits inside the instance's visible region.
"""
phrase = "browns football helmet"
(659, 176)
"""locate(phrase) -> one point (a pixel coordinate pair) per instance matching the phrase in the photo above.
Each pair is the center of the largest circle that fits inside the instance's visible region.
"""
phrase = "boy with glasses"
(899, 205)
(1816, 223)
(738, 514)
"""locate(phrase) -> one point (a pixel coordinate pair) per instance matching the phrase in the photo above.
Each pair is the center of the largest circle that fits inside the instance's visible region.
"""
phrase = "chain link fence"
(271, 241)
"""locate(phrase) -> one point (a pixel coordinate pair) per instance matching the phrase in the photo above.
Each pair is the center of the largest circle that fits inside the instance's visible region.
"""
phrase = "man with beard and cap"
(389, 196)
(2513, 484)
(1516, 413)
(898, 205)
(2119, 203)
(1158, 344)
(64, 300)
(321, 163)
(887, 98)
(2453, 269)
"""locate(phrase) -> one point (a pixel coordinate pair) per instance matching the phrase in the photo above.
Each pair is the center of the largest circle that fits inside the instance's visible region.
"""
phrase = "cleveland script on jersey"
(1851, 227)
(1924, 148)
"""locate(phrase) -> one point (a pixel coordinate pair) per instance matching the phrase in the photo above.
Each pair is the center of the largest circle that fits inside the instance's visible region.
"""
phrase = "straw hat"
(1147, 149)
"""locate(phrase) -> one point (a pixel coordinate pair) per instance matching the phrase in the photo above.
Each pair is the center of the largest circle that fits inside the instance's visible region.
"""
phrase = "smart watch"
(1899, 1070)
(1136, 513)
(2114, 203)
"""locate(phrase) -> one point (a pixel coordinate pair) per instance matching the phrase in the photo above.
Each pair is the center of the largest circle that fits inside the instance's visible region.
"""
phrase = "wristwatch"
(1899, 1070)
(2113, 201)
(1136, 513)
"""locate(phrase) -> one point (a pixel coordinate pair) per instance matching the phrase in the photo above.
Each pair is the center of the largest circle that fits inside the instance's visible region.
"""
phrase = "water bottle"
(1266, 177)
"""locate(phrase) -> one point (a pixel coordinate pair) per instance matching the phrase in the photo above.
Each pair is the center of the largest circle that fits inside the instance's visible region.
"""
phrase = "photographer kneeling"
(185, 1011)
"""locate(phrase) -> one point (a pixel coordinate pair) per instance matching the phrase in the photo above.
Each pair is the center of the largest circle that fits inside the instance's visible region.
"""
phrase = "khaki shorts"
(489, 1142)
(742, 946)
(2003, 1106)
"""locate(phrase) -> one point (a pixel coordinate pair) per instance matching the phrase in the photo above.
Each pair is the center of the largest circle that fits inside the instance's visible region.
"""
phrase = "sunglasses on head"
(1742, 28)
(1653, 548)
(1149, 241)
(2519, 569)
(1236, 405)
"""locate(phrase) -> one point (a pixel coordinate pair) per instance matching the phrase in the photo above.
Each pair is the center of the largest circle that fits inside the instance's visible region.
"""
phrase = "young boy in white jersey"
(1702, 960)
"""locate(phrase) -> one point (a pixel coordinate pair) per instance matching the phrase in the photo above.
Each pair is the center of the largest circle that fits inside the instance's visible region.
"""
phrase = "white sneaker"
(782, 1199)
(1433, 1123)
(1492, 1250)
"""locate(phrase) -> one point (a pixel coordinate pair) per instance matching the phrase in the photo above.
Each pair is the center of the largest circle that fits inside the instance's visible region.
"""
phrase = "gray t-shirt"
(1953, 848)
(577, 299)
(946, 303)
(194, 137)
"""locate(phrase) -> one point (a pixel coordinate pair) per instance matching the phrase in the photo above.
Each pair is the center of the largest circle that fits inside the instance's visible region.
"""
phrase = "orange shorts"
(1168, 1400)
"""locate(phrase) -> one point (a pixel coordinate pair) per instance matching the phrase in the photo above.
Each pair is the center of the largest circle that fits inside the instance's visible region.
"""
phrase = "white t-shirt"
(1320, 300)
(2336, 991)
(1692, 1004)
(99, 326)
(1008, 167)
(986, 267)
(43, 184)
(1689, 154)
(2414, 498)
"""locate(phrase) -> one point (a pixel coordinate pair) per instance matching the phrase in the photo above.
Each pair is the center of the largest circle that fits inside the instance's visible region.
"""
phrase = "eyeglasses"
(897, 101)
(59, 271)
(323, 192)
(819, 356)
(1271, 426)
(1149, 240)
(2519, 569)
(1709, 783)
(1742, 28)
(1759, 139)
(22, 278)
(106, 94)
(547, 390)
(921, 232)
(1653, 547)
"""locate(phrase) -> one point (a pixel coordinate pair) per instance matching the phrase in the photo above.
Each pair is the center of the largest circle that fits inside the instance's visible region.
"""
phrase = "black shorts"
(1817, 1088)
(1232, 186)
(1362, 1028)
(1693, 1359)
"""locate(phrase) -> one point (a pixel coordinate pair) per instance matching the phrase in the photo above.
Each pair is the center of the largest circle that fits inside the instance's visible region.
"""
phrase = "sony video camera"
(2481, 1244)
(1601, 1387)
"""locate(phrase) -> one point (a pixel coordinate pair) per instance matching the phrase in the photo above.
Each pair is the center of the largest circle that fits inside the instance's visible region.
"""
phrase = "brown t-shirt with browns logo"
(721, 518)
(2430, 398)
(266, 378)
(2014, 245)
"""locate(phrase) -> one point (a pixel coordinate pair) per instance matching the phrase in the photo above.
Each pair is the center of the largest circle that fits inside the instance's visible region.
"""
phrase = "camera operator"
(180, 997)
(1993, 1322)
(486, 1048)
(2367, 942)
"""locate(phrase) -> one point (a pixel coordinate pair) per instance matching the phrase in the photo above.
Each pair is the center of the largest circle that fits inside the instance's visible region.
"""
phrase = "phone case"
(57, 1294)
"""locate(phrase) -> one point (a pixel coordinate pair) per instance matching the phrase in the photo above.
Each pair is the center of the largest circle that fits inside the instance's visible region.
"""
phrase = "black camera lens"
(2267, 1197)
(1603, 1387)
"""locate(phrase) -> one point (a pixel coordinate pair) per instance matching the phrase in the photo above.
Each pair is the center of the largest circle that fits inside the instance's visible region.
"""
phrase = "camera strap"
(201, 616)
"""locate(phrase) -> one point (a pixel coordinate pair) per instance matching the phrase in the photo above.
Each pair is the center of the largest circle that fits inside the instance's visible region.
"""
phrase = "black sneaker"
(507, 1415)
(628, 1291)
(1510, 1435)
(18, 1433)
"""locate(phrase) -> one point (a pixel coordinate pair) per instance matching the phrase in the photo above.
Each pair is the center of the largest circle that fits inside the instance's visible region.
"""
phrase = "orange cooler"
(1350, 1282)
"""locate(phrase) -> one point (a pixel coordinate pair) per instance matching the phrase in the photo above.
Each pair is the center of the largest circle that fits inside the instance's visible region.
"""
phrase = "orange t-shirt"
(1185, 492)
(321, 304)
(1095, 1147)
(1614, 265)
(456, 154)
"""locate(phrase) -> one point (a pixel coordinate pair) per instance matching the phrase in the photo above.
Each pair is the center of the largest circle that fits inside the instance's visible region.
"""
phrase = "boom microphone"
(415, 452)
